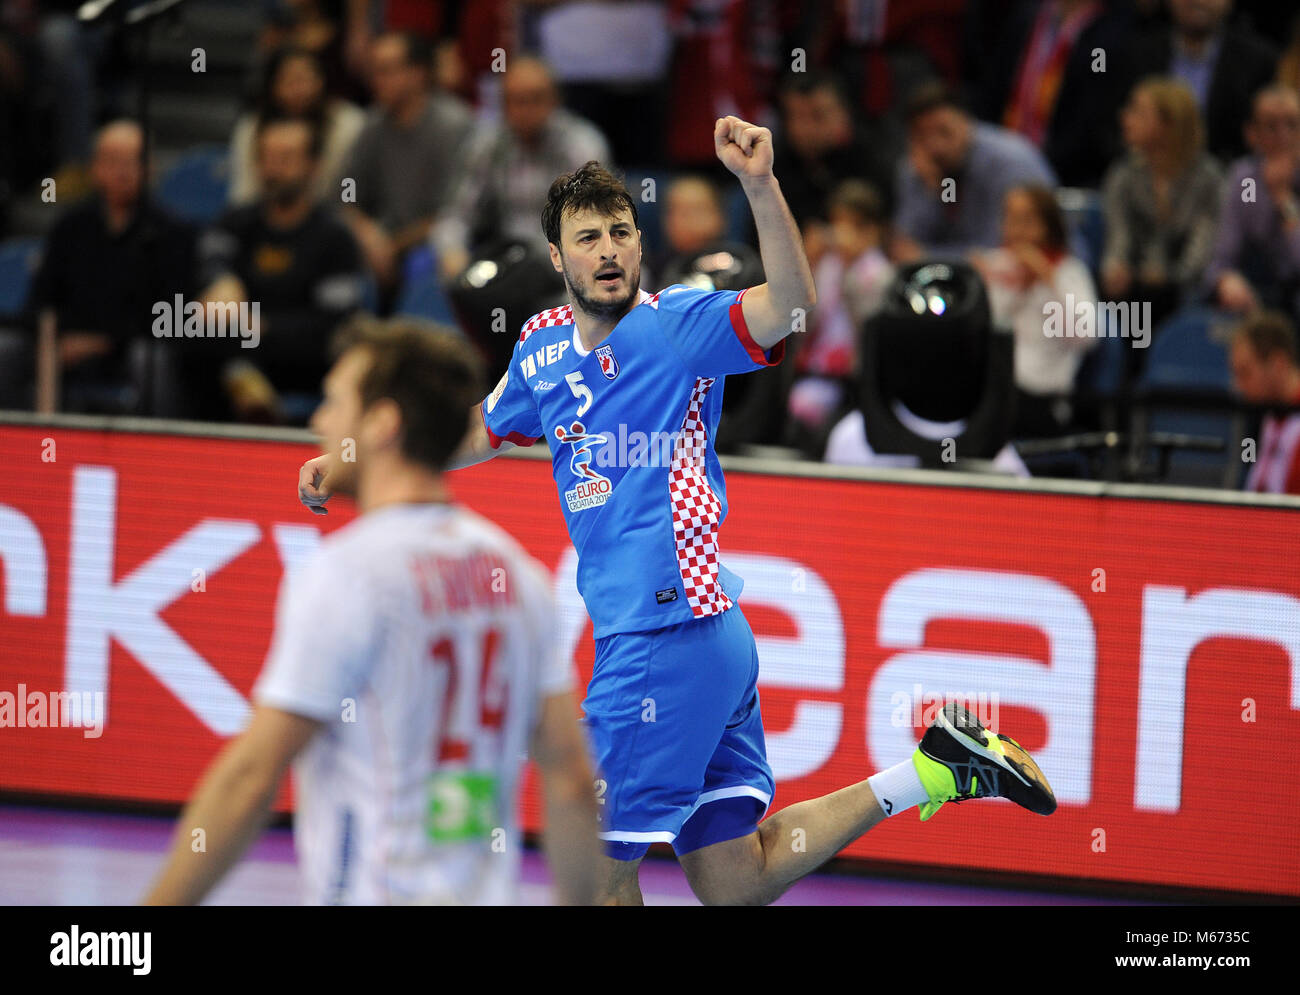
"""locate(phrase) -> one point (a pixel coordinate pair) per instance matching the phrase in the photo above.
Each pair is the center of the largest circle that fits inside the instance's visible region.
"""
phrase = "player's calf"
(619, 882)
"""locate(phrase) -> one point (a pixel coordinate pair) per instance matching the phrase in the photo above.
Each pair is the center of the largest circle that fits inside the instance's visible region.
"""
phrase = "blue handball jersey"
(631, 427)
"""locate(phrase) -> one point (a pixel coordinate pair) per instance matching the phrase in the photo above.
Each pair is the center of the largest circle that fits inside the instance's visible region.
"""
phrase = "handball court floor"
(62, 857)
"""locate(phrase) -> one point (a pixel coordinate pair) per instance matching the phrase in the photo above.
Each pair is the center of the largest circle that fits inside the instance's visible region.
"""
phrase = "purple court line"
(660, 879)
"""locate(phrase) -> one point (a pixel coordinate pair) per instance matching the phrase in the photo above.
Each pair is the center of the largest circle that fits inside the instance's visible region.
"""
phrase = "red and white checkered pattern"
(696, 511)
(562, 315)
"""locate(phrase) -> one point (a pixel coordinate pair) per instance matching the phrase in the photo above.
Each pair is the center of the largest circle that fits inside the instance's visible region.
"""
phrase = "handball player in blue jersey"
(672, 710)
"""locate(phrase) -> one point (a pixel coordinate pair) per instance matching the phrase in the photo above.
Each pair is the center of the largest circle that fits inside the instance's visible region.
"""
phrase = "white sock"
(898, 788)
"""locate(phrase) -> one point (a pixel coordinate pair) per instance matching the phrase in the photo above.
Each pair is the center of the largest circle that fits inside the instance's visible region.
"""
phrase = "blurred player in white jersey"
(413, 666)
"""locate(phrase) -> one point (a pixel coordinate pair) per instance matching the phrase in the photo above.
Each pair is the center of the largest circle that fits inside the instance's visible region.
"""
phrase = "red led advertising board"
(1147, 651)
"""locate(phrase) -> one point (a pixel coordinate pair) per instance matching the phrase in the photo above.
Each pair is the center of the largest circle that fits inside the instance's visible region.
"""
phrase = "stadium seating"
(1086, 223)
(424, 298)
(1185, 389)
(1101, 386)
(194, 188)
(1101, 374)
(18, 261)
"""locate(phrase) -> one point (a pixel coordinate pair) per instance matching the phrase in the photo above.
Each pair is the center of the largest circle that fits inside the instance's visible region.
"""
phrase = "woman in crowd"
(294, 86)
(1161, 200)
(1047, 297)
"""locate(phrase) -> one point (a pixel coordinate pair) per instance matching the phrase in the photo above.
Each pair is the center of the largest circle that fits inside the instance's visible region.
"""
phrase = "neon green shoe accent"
(937, 780)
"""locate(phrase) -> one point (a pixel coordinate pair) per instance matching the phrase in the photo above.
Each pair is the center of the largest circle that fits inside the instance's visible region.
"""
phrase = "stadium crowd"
(1141, 152)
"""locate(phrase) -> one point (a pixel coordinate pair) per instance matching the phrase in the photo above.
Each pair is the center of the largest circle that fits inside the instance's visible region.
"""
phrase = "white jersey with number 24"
(421, 635)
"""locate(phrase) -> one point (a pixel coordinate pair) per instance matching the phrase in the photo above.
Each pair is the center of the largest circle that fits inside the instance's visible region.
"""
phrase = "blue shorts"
(673, 717)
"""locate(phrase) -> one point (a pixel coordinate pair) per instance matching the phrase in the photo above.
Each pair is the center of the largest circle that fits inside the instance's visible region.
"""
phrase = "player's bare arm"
(770, 308)
(569, 838)
(230, 805)
(475, 448)
(314, 475)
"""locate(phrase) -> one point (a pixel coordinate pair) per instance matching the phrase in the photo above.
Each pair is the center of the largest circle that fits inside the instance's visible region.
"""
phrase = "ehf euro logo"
(593, 488)
(608, 364)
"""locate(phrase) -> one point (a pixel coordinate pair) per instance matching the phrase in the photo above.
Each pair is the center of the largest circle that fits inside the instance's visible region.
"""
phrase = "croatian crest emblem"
(608, 364)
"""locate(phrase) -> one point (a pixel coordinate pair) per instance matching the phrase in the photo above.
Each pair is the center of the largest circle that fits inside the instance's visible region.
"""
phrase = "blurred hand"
(1035, 262)
(904, 249)
(1116, 278)
(77, 347)
(377, 247)
(926, 168)
(1235, 293)
(1278, 173)
(226, 289)
(452, 263)
(982, 265)
(252, 396)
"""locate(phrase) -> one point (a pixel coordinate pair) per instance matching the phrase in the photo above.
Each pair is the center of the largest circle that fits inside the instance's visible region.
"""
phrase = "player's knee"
(729, 873)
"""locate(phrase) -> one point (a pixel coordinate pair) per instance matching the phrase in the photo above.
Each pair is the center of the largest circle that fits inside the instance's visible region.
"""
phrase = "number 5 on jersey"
(580, 390)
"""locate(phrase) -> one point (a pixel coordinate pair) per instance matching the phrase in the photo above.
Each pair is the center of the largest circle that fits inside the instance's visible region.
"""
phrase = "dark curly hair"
(590, 186)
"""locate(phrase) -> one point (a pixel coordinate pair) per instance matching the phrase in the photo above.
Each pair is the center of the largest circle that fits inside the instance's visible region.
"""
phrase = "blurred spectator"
(693, 223)
(14, 121)
(817, 146)
(1161, 200)
(693, 214)
(316, 25)
(48, 96)
(956, 173)
(1288, 66)
(405, 160)
(986, 23)
(485, 29)
(883, 50)
(108, 259)
(64, 83)
(1267, 18)
(1266, 371)
(449, 74)
(363, 19)
(1223, 64)
(510, 167)
(1256, 259)
(1047, 83)
(1031, 277)
(294, 86)
(611, 59)
(723, 62)
(291, 256)
(851, 278)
